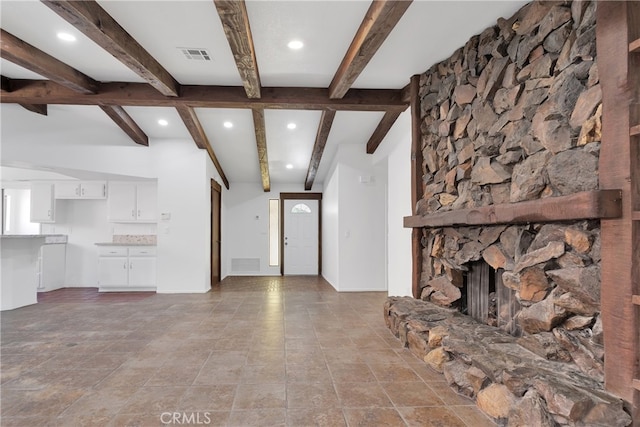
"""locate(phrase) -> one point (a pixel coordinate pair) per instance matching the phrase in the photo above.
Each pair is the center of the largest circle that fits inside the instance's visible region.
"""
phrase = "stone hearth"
(509, 382)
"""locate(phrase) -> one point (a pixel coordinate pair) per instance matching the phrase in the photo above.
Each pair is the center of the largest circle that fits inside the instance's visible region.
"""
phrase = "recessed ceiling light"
(163, 122)
(66, 37)
(228, 125)
(289, 166)
(295, 44)
(291, 126)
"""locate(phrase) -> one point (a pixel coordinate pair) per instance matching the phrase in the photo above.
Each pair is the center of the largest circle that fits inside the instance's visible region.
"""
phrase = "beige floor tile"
(367, 417)
(260, 396)
(318, 417)
(311, 395)
(254, 351)
(411, 394)
(431, 416)
(258, 418)
(362, 395)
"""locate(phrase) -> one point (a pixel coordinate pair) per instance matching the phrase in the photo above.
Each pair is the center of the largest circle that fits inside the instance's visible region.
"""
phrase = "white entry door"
(301, 236)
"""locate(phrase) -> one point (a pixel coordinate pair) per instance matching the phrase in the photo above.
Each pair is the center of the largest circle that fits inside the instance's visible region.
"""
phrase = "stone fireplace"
(514, 119)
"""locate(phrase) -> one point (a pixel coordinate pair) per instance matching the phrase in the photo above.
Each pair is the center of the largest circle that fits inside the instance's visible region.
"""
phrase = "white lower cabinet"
(126, 268)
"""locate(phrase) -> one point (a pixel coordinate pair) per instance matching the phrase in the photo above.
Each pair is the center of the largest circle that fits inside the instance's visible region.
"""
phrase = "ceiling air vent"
(195, 53)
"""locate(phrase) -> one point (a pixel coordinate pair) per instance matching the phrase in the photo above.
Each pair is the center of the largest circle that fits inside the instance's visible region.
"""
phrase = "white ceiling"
(428, 32)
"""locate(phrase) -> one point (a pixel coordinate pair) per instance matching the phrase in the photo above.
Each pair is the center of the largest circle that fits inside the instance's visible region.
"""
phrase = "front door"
(301, 222)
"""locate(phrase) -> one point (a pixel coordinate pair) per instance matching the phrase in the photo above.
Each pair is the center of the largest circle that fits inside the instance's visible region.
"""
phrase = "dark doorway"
(216, 199)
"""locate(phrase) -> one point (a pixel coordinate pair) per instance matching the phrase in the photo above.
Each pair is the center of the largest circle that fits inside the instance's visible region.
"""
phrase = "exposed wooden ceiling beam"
(381, 18)
(126, 123)
(235, 21)
(261, 142)
(33, 59)
(190, 119)
(6, 84)
(93, 21)
(142, 95)
(382, 130)
(34, 108)
(41, 109)
(318, 147)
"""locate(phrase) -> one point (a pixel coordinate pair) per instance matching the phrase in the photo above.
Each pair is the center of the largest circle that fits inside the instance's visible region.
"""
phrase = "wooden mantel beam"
(190, 119)
(93, 21)
(33, 59)
(142, 95)
(126, 123)
(584, 205)
(326, 121)
(381, 18)
(261, 142)
(235, 21)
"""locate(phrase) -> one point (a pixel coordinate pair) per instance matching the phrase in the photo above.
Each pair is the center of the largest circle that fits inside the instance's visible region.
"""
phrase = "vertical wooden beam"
(318, 147)
(261, 142)
(382, 130)
(618, 166)
(416, 182)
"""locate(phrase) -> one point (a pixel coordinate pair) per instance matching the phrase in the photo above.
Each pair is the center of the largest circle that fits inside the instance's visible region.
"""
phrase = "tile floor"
(265, 351)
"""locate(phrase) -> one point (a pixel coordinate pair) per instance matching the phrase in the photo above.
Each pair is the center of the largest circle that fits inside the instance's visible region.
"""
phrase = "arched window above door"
(301, 208)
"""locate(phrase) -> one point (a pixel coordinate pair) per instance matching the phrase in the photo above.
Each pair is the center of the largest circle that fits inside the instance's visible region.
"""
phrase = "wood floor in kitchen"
(269, 351)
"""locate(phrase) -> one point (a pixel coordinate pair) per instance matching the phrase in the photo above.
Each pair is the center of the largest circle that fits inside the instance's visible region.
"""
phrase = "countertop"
(48, 238)
(125, 244)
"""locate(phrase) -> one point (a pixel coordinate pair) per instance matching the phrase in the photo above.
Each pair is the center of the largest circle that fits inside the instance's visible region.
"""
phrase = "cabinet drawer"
(142, 251)
(112, 251)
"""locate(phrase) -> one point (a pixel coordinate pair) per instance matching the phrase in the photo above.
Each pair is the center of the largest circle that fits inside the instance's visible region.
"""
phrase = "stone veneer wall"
(515, 115)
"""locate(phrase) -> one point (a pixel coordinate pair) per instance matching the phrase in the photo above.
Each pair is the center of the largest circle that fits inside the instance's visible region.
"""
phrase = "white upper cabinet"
(132, 202)
(42, 202)
(81, 190)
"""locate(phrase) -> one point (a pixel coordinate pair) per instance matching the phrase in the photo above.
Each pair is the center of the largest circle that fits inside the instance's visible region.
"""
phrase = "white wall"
(396, 151)
(183, 240)
(331, 229)
(360, 235)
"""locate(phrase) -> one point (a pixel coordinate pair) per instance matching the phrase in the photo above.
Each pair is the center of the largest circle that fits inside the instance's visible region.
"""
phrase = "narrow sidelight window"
(274, 232)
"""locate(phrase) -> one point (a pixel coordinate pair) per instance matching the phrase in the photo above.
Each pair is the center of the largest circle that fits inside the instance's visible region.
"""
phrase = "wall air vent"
(196, 54)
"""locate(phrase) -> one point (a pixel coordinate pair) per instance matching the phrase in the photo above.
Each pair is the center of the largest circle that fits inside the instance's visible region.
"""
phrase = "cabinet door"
(113, 271)
(142, 271)
(121, 204)
(93, 190)
(41, 202)
(67, 190)
(147, 202)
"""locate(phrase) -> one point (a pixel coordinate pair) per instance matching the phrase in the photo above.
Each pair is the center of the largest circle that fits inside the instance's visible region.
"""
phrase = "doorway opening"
(216, 240)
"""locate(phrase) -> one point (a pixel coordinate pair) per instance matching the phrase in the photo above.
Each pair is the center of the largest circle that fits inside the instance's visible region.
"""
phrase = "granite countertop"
(125, 244)
(48, 238)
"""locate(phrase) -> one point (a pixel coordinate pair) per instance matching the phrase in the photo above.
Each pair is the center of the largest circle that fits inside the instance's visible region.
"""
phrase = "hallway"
(254, 351)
